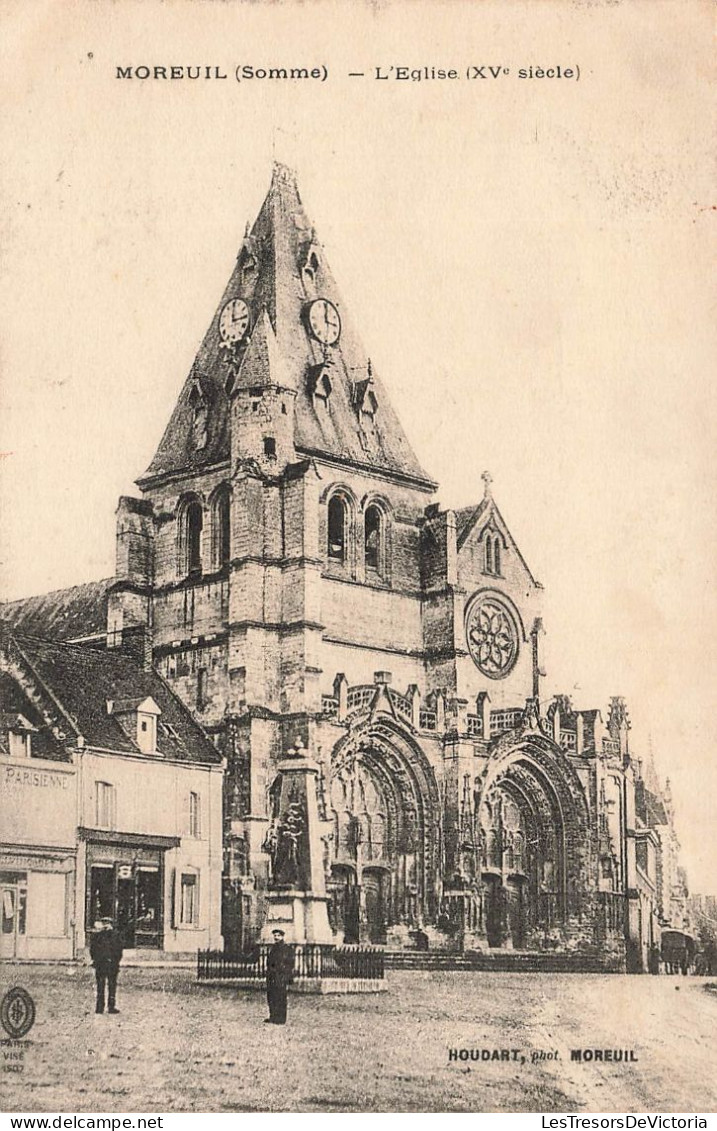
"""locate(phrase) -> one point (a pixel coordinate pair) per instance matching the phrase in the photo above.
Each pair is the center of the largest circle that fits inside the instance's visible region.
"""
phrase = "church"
(294, 579)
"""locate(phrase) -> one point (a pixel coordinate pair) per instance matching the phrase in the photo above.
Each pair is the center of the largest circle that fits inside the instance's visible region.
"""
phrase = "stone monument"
(297, 900)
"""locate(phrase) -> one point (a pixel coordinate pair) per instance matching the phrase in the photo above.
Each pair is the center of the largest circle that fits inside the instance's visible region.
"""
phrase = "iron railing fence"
(311, 960)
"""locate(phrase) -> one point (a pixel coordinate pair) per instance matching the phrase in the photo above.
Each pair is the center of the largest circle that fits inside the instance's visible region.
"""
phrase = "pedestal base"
(302, 916)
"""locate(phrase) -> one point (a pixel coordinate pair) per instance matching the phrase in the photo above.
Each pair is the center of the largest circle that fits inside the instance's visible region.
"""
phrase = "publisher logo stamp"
(17, 1013)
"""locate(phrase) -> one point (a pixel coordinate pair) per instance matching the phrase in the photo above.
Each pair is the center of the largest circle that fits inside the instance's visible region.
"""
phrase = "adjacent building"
(111, 802)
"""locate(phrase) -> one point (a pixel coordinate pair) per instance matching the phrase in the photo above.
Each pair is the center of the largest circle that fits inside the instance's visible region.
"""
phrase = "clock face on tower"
(492, 635)
(324, 321)
(234, 320)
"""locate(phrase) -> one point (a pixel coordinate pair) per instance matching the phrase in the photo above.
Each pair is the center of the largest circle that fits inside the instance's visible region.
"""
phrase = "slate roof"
(65, 614)
(465, 516)
(649, 806)
(14, 701)
(269, 277)
(82, 680)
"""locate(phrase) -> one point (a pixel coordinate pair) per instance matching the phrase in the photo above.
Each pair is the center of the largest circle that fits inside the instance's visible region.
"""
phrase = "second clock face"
(324, 321)
(234, 320)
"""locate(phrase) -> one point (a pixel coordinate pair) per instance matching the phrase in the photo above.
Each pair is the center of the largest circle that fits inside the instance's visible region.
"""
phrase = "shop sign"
(24, 862)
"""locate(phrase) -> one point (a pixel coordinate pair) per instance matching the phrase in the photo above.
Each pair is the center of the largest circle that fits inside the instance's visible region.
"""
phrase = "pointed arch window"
(374, 539)
(492, 553)
(190, 545)
(337, 524)
(221, 529)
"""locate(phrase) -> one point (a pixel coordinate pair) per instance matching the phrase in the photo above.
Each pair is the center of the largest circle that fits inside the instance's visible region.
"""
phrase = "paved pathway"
(177, 1046)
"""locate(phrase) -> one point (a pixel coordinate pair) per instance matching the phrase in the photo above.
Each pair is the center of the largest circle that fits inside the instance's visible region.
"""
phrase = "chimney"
(137, 642)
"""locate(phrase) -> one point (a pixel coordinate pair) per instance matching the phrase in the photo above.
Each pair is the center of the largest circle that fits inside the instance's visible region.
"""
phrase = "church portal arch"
(386, 845)
(534, 842)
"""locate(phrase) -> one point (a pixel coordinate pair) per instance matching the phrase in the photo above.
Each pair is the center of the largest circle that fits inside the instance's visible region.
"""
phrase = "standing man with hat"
(106, 953)
(279, 975)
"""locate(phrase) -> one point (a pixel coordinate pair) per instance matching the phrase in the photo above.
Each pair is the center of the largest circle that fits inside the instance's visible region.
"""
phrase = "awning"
(135, 840)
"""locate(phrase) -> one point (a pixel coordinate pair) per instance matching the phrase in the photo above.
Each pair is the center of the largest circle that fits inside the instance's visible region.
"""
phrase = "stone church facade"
(288, 566)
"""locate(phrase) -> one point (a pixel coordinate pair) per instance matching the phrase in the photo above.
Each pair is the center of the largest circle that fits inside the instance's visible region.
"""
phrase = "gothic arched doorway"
(384, 807)
(533, 844)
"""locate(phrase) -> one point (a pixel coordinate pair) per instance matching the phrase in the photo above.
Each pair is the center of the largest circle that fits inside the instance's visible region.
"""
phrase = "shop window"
(189, 901)
(195, 815)
(13, 898)
(101, 900)
(147, 895)
(337, 529)
(104, 805)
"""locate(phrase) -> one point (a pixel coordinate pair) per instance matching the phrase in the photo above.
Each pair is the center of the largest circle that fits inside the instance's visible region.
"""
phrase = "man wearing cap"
(106, 952)
(279, 974)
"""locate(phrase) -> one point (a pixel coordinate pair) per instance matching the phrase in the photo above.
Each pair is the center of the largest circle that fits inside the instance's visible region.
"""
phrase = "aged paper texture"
(394, 673)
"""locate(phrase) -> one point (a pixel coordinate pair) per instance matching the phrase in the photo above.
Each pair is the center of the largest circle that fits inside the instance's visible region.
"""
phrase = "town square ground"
(179, 1046)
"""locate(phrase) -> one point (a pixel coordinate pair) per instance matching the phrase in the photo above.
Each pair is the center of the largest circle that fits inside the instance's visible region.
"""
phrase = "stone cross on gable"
(487, 479)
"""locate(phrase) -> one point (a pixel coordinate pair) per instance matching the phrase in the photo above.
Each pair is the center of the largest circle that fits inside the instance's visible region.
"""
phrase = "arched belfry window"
(373, 539)
(190, 533)
(492, 550)
(221, 529)
(337, 529)
(496, 555)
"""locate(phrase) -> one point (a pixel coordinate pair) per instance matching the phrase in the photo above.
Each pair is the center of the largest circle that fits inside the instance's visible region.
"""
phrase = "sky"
(527, 261)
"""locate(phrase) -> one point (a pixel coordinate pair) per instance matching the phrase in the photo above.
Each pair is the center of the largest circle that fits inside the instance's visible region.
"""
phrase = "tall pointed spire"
(281, 274)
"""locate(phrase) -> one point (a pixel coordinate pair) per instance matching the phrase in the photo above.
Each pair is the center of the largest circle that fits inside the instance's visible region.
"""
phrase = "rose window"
(492, 637)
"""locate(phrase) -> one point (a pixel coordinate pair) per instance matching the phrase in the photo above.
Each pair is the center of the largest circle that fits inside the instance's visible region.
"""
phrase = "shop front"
(126, 879)
(36, 894)
(37, 859)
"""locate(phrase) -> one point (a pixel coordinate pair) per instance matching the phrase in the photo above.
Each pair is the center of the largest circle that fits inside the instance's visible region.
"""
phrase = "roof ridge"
(54, 592)
(63, 645)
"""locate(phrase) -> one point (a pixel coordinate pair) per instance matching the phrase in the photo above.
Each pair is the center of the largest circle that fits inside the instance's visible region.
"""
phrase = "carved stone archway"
(534, 843)
(385, 853)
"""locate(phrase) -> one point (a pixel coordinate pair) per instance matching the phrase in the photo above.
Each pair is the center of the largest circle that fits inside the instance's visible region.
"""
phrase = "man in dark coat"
(106, 952)
(279, 974)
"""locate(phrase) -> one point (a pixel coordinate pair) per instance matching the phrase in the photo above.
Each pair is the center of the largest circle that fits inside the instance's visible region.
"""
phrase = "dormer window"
(138, 719)
(320, 385)
(310, 266)
(365, 397)
(248, 262)
(200, 416)
(19, 735)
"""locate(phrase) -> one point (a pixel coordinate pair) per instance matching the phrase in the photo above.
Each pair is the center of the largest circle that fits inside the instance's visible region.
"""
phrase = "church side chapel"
(301, 585)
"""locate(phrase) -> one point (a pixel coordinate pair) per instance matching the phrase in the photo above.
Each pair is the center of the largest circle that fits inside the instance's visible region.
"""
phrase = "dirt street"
(178, 1046)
